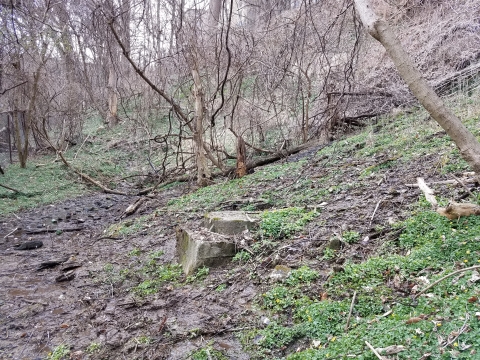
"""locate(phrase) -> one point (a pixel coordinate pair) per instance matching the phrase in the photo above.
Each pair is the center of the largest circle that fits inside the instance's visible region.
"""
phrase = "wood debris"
(453, 210)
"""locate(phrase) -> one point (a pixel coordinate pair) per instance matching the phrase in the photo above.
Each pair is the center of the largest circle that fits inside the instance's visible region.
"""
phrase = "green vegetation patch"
(156, 275)
(60, 352)
(130, 226)
(443, 323)
(39, 184)
(211, 196)
(283, 223)
(207, 353)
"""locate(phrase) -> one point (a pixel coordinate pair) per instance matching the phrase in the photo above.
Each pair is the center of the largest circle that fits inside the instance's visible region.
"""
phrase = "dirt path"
(39, 313)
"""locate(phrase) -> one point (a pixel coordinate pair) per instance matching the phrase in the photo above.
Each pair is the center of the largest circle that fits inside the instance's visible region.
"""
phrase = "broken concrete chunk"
(230, 222)
(203, 248)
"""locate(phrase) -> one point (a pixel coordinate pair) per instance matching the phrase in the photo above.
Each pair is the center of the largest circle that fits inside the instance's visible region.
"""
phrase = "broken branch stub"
(453, 210)
(429, 193)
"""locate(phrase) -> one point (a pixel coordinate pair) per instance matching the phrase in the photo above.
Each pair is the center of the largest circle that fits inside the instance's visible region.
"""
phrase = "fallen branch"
(374, 351)
(251, 145)
(463, 185)
(42, 231)
(459, 332)
(453, 210)
(131, 209)
(280, 155)
(11, 232)
(445, 277)
(88, 178)
(446, 182)
(163, 182)
(374, 212)
(250, 165)
(11, 189)
(428, 192)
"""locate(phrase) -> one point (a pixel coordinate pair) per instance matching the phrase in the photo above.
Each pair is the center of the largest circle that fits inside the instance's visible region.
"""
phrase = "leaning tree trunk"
(466, 142)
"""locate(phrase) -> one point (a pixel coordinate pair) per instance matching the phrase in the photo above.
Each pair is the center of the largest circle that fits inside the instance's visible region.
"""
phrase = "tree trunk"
(203, 172)
(241, 158)
(215, 7)
(112, 118)
(466, 142)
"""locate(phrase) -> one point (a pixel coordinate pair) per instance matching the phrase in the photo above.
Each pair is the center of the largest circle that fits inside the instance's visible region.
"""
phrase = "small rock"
(335, 244)
(365, 241)
(338, 268)
(280, 272)
(77, 355)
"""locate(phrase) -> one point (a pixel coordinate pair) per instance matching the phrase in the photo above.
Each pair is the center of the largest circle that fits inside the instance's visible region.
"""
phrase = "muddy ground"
(38, 313)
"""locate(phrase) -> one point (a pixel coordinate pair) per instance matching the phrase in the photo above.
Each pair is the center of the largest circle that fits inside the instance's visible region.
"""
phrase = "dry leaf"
(473, 299)
(413, 320)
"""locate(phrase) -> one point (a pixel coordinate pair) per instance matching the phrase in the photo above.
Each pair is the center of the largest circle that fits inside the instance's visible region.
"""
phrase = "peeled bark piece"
(457, 210)
(466, 142)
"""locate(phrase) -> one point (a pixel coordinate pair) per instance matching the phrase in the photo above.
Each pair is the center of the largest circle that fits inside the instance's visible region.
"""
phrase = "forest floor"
(128, 299)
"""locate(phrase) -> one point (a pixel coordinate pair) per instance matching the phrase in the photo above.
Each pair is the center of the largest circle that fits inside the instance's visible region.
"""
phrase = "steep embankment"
(130, 299)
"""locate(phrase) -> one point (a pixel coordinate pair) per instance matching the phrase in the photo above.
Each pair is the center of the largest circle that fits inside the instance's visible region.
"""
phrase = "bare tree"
(378, 28)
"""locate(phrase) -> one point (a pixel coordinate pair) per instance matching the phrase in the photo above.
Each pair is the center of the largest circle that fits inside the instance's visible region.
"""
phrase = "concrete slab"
(230, 222)
(203, 248)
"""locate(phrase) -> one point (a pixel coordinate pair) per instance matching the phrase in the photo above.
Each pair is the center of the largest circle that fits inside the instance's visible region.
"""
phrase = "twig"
(10, 233)
(374, 211)
(80, 148)
(460, 331)
(445, 182)
(10, 188)
(463, 185)
(88, 178)
(446, 276)
(351, 309)
(373, 350)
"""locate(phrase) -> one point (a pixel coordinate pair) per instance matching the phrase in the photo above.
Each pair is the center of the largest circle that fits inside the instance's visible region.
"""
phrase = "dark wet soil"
(38, 313)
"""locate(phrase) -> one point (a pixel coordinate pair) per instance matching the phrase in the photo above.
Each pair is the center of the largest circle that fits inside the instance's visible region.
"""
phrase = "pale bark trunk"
(215, 7)
(112, 118)
(466, 142)
(203, 172)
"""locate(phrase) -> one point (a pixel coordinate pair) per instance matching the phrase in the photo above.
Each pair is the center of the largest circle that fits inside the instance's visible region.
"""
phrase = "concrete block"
(230, 222)
(203, 248)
